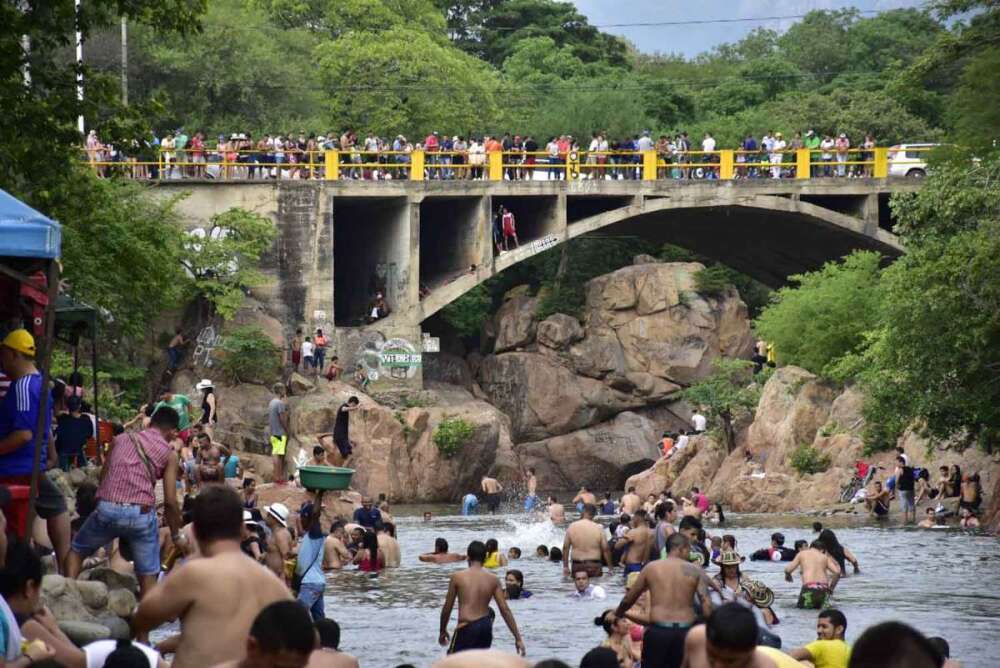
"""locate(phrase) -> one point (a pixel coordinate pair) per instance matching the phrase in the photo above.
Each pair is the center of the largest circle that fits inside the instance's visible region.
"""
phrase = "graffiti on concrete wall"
(205, 344)
(395, 358)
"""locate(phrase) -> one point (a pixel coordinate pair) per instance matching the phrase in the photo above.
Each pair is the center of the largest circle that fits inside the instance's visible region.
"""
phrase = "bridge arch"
(767, 237)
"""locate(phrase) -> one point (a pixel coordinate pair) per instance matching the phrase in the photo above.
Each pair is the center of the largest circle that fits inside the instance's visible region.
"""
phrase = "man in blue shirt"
(309, 564)
(367, 515)
(18, 424)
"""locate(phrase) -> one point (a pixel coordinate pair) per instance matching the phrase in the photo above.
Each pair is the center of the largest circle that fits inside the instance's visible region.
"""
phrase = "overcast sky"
(692, 39)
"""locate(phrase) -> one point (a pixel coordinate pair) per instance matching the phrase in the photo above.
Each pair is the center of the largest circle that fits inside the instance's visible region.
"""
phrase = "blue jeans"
(127, 522)
(174, 357)
(320, 358)
(311, 596)
(71, 459)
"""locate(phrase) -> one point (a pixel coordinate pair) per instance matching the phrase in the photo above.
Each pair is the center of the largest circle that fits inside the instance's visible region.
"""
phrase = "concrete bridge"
(340, 240)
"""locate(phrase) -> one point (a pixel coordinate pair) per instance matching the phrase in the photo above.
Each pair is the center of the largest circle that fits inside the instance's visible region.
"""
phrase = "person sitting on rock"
(776, 552)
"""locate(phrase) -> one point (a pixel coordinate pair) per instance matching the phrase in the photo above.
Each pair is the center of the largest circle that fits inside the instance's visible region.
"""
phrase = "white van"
(909, 160)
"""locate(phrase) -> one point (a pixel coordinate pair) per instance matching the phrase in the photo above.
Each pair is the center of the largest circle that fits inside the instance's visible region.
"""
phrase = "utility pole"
(79, 65)
(124, 61)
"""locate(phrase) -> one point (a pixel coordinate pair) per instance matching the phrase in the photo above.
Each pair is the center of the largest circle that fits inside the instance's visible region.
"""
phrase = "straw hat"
(760, 594)
(279, 512)
(730, 558)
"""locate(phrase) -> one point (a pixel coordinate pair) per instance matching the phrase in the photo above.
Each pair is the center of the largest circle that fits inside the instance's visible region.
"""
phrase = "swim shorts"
(813, 596)
(474, 635)
(663, 645)
(492, 502)
(906, 500)
(632, 568)
(278, 444)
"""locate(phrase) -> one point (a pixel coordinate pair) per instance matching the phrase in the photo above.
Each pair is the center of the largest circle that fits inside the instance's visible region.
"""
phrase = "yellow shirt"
(492, 560)
(830, 653)
(779, 657)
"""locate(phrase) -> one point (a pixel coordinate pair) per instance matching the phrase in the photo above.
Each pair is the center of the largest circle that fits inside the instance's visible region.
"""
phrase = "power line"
(654, 24)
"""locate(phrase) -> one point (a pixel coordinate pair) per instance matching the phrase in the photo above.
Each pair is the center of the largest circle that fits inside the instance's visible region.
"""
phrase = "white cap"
(279, 512)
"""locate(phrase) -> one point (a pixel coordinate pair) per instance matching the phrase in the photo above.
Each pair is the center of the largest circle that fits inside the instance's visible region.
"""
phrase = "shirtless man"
(815, 564)
(583, 498)
(585, 539)
(280, 546)
(474, 588)
(728, 638)
(878, 502)
(491, 489)
(328, 654)
(630, 502)
(640, 541)
(388, 545)
(217, 597)
(440, 555)
(929, 521)
(335, 552)
(556, 511)
(672, 584)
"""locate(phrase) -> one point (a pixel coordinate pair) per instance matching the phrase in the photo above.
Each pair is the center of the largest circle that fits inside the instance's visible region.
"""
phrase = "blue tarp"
(26, 233)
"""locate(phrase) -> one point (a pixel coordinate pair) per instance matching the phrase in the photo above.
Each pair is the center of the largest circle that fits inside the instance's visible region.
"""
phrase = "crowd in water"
(247, 582)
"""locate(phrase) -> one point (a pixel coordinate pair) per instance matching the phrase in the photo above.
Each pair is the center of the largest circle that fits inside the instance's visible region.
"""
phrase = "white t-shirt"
(682, 442)
(708, 144)
(308, 348)
(97, 653)
(699, 421)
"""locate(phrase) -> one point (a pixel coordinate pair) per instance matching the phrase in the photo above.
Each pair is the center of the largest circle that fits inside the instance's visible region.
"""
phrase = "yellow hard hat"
(21, 341)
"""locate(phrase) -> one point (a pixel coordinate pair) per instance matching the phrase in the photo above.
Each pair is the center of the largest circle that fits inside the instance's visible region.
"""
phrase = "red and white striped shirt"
(128, 480)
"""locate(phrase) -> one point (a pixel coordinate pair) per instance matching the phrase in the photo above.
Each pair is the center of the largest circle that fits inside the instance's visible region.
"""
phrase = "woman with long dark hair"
(839, 553)
(369, 558)
(209, 406)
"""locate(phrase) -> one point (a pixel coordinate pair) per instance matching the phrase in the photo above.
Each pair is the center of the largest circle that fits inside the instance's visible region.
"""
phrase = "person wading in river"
(475, 587)
(815, 564)
(585, 540)
(640, 542)
(491, 489)
(672, 584)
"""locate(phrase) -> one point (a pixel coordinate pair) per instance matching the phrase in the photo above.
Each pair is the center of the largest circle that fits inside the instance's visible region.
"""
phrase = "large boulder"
(243, 416)
(695, 465)
(559, 330)
(515, 323)
(544, 398)
(601, 456)
(664, 326)
(447, 368)
(394, 450)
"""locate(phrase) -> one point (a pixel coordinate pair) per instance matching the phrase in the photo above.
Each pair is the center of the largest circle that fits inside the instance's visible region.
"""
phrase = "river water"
(943, 582)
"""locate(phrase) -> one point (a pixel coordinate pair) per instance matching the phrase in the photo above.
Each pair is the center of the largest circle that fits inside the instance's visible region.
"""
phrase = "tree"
(402, 80)
(262, 81)
(818, 43)
(222, 260)
(727, 395)
(933, 360)
(467, 313)
(824, 315)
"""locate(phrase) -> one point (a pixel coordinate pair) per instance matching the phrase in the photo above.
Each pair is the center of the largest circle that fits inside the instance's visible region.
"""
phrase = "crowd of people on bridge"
(298, 155)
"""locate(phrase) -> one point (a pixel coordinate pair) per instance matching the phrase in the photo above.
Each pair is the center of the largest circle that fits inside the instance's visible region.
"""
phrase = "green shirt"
(179, 403)
(812, 142)
(829, 653)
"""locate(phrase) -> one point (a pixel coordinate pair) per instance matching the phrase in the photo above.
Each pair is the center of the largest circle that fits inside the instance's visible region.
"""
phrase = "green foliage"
(467, 313)
(727, 394)
(403, 80)
(223, 259)
(807, 460)
(264, 81)
(451, 435)
(824, 315)
(249, 356)
(121, 386)
(713, 280)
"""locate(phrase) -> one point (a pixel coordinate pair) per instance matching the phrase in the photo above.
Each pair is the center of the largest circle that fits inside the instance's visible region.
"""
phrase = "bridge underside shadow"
(767, 245)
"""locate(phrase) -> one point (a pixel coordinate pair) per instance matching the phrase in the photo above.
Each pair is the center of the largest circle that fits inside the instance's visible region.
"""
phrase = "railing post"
(802, 166)
(495, 160)
(726, 164)
(649, 165)
(417, 165)
(881, 170)
(331, 161)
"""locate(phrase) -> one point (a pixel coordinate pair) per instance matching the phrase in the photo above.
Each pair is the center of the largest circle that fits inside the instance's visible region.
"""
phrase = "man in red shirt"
(509, 229)
(126, 499)
(432, 146)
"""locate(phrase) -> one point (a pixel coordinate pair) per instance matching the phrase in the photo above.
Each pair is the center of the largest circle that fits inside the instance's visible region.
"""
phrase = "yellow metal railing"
(419, 165)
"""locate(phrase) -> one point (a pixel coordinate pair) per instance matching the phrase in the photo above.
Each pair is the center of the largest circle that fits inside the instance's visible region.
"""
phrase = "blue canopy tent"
(30, 244)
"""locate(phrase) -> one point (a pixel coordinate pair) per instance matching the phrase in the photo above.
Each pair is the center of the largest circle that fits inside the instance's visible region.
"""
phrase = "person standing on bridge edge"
(509, 228)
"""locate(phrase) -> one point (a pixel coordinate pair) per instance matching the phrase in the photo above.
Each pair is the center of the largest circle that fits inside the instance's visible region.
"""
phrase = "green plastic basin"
(329, 478)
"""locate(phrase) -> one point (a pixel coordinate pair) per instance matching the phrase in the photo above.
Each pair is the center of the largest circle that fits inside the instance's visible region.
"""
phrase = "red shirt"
(431, 143)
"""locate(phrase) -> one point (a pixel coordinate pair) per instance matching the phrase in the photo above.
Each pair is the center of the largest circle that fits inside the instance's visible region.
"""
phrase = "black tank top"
(905, 482)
